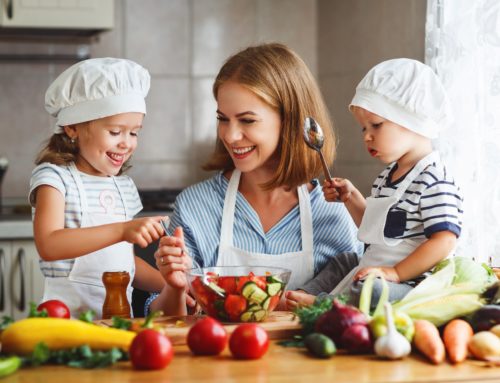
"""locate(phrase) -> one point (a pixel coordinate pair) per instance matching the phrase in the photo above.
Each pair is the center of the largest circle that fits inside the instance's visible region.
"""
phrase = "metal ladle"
(313, 136)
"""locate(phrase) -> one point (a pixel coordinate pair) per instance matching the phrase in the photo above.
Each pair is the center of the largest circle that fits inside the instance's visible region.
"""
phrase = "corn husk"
(438, 300)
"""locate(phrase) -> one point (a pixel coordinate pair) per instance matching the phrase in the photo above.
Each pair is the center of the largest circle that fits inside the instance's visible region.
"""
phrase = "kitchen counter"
(280, 364)
(16, 227)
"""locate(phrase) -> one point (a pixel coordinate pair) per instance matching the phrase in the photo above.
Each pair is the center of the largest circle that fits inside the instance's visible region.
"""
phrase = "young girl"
(414, 215)
(264, 206)
(83, 204)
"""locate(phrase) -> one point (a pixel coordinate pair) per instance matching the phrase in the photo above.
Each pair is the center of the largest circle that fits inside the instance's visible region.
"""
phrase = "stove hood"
(53, 19)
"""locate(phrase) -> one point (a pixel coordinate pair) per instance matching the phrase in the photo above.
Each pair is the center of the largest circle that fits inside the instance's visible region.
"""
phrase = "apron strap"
(410, 177)
(226, 230)
(79, 185)
(122, 197)
(306, 222)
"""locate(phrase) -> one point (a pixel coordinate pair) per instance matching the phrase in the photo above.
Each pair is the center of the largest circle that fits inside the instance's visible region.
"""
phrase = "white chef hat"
(97, 88)
(406, 92)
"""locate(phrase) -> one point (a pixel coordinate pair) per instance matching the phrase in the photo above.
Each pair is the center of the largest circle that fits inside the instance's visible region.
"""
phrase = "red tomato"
(273, 302)
(248, 341)
(55, 309)
(242, 281)
(228, 284)
(207, 337)
(150, 350)
(235, 305)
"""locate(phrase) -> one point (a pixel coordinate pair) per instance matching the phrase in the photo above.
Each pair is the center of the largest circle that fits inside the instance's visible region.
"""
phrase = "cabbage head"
(467, 270)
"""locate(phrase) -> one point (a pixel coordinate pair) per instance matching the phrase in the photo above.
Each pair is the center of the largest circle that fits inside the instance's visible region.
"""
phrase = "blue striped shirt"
(432, 203)
(60, 178)
(198, 209)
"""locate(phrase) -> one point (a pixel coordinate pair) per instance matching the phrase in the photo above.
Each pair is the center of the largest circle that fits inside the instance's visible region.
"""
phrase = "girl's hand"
(389, 273)
(298, 298)
(172, 259)
(143, 231)
(338, 189)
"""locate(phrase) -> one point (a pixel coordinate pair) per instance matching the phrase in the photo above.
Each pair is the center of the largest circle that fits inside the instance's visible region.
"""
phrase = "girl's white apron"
(83, 288)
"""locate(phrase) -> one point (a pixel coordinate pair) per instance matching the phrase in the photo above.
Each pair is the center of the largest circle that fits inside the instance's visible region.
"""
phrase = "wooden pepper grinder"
(116, 302)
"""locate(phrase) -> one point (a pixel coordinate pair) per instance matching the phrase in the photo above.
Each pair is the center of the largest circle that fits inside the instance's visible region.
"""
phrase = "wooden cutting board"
(279, 325)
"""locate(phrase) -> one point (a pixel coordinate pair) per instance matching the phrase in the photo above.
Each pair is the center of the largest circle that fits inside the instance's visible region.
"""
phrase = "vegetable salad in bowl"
(238, 293)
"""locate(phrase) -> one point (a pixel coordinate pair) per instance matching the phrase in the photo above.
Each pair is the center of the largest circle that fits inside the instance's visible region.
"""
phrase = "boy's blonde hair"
(280, 78)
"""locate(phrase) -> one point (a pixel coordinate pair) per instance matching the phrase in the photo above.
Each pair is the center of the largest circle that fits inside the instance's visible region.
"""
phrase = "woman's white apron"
(300, 262)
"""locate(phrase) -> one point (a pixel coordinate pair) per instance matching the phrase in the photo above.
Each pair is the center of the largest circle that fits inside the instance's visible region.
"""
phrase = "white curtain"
(463, 46)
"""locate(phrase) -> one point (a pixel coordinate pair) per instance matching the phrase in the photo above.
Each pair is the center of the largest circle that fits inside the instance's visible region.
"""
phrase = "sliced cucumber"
(253, 293)
(254, 307)
(216, 289)
(265, 304)
(246, 316)
(274, 288)
(273, 279)
(260, 315)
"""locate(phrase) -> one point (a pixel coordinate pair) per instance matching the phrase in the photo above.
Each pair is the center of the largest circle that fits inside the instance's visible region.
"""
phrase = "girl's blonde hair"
(280, 78)
(61, 150)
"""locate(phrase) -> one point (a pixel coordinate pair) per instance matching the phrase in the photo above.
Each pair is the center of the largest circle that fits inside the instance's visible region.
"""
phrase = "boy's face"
(107, 143)
(384, 139)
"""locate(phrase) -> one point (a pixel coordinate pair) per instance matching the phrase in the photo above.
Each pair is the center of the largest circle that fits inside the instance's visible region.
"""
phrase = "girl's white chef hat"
(406, 92)
(97, 88)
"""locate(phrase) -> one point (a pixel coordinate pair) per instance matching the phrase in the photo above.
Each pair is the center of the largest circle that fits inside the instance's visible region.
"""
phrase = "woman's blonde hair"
(61, 150)
(280, 78)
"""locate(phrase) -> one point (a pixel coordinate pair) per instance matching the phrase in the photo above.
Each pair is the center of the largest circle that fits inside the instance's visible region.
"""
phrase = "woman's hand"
(389, 273)
(298, 298)
(172, 259)
(338, 189)
(143, 231)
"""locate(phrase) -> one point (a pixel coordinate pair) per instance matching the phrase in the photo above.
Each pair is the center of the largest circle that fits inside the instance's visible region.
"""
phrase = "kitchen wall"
(353, 36)
(183, 44)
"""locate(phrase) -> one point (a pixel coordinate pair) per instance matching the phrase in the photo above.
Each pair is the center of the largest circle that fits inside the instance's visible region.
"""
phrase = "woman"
(264, 206)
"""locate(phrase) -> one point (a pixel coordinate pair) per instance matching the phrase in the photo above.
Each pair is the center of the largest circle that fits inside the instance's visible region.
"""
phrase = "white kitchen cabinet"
(61, 14)
(21, 280)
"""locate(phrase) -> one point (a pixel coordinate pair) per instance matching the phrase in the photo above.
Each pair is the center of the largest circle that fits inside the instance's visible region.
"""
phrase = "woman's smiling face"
(249, 127)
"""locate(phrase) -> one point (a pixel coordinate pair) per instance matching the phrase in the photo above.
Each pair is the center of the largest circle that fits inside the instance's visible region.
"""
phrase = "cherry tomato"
(55, 309)
(235, 305)
(228, 284)
(207, 337)
(248, 341)
(150, 350)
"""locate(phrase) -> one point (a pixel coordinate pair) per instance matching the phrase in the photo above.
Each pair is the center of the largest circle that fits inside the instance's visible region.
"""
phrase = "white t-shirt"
(60, 178)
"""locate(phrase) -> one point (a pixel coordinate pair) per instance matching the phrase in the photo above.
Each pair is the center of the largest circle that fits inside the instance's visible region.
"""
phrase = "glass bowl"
(238, 293)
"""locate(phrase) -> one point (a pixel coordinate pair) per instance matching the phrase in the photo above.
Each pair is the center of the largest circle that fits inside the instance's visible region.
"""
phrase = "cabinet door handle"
(21, 256)
(2, 280)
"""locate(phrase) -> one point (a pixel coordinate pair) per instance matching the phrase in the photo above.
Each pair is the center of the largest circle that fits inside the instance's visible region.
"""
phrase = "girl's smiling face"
(249, 127)
(107, 143)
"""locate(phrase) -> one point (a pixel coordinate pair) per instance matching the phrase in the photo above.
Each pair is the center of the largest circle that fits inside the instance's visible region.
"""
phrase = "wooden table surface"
(280, 364)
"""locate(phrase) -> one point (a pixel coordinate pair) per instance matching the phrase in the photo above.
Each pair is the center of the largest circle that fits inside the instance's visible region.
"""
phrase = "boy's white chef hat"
(406, 92)
(97, 88)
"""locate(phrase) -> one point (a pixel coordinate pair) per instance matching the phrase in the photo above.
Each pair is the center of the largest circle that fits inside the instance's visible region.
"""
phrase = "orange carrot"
(456, 337)
(428, 341)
